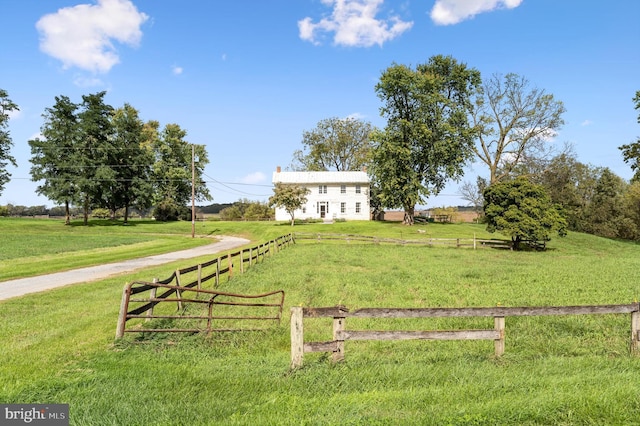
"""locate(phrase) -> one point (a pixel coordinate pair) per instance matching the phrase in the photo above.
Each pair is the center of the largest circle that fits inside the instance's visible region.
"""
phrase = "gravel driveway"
(22, 286)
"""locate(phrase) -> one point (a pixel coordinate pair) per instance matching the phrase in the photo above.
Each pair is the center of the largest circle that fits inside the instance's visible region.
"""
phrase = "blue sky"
(247, 77)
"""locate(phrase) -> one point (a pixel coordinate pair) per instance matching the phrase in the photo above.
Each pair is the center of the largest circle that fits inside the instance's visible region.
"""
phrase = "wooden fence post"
(152, 295)
(230, 263)
(242, 261)
(338, 326)
(635, 331)
(297, 337)
(218, 272)
(124, 307)
(499, 343)
(199, 276)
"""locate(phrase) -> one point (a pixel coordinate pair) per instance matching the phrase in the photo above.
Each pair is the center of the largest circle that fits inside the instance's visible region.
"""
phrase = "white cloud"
(353, 23)
(586, 123)
(449, 12)
(355, 116)
(253, 178)
(177, 70)
(14, 114)
(82, 36)
(83, 81)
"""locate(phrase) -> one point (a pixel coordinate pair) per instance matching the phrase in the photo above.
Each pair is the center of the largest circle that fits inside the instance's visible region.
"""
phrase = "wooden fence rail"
(340, 334)
(200, 280)
(474, 242)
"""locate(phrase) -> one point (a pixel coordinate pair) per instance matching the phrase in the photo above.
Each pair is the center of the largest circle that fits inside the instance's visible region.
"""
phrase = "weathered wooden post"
(242, 261)
(499, 343)
(230, 263)
(124, 307)
(338, 328)
(152, 295)
(218, 272)
(635, 331)
(297, 337)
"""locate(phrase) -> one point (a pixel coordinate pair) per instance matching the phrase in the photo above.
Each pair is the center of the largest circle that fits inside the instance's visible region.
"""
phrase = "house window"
(343, 207)
(357, 207)
(343, 189)
(322, 189)
(358, 189)
(304, 209)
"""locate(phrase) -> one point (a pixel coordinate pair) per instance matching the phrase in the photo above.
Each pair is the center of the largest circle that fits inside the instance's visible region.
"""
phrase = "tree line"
(95, 156)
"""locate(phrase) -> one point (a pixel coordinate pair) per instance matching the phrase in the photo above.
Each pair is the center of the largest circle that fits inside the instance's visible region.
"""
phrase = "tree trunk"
(515, 243)
(126, 214)
(67, 213)
(409, 213)
(85, 212)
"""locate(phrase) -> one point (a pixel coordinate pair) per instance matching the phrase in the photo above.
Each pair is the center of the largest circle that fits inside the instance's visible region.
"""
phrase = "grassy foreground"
(58, 346)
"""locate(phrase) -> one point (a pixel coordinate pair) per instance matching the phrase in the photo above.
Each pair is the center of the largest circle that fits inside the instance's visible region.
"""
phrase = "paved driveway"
(22, 286)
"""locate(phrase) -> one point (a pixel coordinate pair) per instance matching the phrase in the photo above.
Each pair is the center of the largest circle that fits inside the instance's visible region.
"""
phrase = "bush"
(100, 213)
(167, 211)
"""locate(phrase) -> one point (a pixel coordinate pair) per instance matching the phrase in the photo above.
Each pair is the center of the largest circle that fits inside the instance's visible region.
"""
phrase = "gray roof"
(320, 177)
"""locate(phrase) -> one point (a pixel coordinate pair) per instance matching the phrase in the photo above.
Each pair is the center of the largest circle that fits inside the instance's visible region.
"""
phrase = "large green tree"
(522, 211)
(172, 173)
(427, 139)
(127, 175)
(515, 123)
(604, 213)
(570, 184)
(289, 197)
(6, 107)
(95, 151)
(335, 144)
(53, 155)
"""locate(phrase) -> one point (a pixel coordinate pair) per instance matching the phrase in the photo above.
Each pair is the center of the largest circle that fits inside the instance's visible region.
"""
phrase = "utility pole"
(193, 191)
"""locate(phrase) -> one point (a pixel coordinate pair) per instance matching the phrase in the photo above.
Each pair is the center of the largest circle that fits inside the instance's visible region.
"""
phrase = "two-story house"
(332, 195)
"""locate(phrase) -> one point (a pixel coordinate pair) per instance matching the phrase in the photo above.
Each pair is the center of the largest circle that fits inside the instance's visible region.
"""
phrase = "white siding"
(328, 205)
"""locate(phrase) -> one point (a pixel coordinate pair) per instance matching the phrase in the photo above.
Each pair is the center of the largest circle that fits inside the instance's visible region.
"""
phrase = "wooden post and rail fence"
(197, 285)
(341, 334)
(475, 243)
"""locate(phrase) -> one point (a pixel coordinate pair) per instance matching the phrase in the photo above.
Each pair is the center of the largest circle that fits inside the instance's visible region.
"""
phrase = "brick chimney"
(278, 169)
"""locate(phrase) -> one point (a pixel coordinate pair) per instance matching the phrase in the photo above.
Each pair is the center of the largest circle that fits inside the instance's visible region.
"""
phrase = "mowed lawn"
(58, 346)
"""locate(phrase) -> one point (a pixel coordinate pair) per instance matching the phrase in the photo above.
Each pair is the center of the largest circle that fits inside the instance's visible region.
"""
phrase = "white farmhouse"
(332, 195)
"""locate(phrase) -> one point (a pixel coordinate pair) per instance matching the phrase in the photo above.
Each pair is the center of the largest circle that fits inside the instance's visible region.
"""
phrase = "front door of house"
(323, 210)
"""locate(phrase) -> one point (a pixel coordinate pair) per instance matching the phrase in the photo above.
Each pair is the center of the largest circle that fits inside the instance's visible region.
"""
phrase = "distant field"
(556, 370)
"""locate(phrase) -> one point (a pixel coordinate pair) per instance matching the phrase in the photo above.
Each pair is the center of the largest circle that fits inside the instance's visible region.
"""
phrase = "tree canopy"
(289, 197)
(335, 144)
(427, 139)
(52, 156)
(7, 106)
(522, 211)
(97, 156)
(514, 123)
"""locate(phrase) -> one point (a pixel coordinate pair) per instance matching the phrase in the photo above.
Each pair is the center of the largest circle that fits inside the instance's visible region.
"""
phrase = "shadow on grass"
(116, 222)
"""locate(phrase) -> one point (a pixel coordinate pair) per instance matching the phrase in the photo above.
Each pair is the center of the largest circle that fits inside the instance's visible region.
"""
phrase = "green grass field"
(58, 346)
